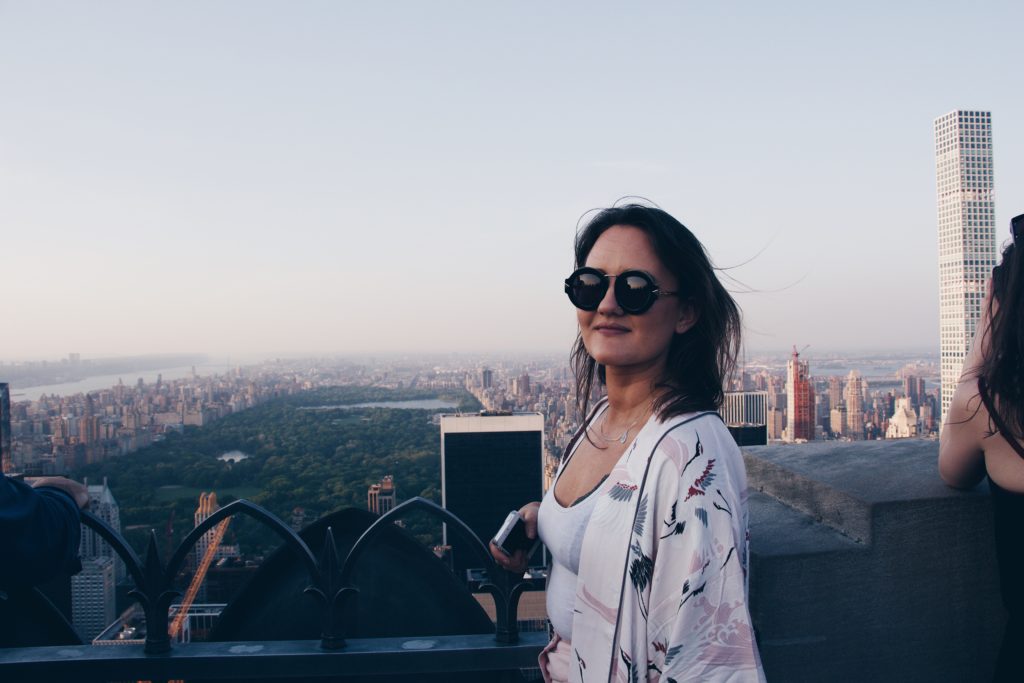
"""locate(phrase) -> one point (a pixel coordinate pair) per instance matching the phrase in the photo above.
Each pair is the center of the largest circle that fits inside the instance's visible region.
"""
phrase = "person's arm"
(39, 532)
(518, 561)
(961, 458)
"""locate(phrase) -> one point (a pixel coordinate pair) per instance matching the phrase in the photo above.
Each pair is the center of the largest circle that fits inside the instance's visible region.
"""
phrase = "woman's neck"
(630, 393)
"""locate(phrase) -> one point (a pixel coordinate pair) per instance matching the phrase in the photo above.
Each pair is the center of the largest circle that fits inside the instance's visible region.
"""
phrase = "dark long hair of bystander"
(1002, 364)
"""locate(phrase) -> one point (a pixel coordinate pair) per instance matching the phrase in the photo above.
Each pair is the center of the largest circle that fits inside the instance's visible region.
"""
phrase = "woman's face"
(620, 340)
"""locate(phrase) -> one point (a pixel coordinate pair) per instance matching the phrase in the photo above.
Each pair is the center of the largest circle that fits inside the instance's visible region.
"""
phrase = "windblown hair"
(1002, 364)
(700, 359)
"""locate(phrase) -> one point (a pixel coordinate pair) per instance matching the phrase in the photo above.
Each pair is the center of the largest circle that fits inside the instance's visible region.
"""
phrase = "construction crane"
(197, 580)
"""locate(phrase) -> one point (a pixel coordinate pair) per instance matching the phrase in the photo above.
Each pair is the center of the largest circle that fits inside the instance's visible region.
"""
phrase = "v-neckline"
(583, 435)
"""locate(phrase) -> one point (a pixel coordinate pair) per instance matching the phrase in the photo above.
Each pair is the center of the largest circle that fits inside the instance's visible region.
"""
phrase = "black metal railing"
(330, 582)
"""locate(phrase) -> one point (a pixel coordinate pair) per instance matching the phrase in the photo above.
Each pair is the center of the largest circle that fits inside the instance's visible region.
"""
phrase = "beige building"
(854, 396)
(837, 419)
(903, 423)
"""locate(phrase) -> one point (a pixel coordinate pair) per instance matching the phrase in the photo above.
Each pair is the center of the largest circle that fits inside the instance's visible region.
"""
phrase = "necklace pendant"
(622, 439)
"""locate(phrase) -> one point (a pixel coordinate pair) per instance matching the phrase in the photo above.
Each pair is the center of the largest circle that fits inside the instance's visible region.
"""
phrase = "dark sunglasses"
(1017, 227)
(635, 290)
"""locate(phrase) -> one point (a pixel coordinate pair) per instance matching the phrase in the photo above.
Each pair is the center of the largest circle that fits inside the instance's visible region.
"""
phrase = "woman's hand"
(517, 561)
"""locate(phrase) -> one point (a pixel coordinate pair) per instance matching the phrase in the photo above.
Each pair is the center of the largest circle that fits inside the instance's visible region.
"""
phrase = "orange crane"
(197, 580)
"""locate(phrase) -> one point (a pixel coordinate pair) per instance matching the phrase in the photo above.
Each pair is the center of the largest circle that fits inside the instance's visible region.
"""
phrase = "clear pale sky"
(291, 177)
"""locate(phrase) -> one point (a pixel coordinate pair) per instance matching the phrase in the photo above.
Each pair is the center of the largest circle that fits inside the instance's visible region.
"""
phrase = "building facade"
(746, 415)
(491, 464)
(207, 506)
(92, 597)
(967, 234)
(92, 546)
(381, 498)
(799, 400)
(903, 423)
(854, 393)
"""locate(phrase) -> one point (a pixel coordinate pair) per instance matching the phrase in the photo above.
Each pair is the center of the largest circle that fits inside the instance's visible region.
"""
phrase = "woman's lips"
(611, 330)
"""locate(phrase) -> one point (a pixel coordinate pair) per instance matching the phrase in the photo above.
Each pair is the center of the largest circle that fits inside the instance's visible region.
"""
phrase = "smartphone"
(511, 537)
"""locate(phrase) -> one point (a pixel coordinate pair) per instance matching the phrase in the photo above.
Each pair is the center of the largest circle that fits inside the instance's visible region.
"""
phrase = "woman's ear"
(688, 317)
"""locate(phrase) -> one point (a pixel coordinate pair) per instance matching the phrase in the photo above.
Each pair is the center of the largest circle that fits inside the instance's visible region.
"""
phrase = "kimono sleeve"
(699, 626)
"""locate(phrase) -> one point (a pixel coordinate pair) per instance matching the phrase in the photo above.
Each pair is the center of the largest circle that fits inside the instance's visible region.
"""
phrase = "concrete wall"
(866, 567)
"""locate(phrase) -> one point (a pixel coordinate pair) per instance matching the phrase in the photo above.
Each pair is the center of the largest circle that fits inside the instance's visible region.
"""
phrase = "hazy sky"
(247, 177)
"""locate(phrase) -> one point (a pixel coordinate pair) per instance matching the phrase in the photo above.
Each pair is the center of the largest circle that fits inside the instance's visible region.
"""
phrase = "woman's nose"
(609, 305)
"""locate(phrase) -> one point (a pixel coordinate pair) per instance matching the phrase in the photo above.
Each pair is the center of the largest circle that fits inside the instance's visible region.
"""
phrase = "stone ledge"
(865, 566)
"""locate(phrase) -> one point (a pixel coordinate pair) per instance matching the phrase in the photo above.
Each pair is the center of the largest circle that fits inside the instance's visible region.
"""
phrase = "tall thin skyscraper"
(799, 400)
(967, 234)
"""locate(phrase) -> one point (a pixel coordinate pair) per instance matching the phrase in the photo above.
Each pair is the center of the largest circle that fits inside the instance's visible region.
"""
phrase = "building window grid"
(966, 229)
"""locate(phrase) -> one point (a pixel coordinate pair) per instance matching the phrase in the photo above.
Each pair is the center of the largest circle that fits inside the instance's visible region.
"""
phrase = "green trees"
(320, 460)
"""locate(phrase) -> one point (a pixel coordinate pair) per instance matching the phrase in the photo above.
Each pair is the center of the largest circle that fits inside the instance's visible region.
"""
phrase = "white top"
(562, 528)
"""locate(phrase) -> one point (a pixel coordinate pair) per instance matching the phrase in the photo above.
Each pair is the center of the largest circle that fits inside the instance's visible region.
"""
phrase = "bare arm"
(961, 456)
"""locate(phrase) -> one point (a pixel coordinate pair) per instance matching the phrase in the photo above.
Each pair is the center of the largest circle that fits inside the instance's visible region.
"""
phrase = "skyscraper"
(746, 415)
(92, 590)
(92, 597)
(5, 427)
(92, 546)
(835, 392)
(799, 400)
(381, 498)
(967, 234)
(854, 399)
(491, 464)
(207, 506)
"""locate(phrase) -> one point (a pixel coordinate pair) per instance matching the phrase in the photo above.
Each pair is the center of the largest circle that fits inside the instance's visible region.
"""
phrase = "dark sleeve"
(39, 533)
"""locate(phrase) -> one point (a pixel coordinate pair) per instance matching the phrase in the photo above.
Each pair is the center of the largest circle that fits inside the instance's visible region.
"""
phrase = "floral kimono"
(662, 590)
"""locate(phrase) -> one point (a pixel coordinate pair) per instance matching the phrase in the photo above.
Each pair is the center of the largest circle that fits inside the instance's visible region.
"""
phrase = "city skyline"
(268, 180)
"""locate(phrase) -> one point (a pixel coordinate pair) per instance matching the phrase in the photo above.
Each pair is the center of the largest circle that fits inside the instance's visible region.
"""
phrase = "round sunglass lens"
(588, 290)
(634, 292)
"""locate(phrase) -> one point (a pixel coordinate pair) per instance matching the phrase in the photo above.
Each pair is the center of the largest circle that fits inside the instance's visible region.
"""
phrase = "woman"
(983, 434)
(646, 520)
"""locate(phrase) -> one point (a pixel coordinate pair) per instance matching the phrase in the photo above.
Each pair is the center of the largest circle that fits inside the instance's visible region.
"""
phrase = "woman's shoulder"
(685, 439)
(691, 426)
(967, 413)
(964, 432)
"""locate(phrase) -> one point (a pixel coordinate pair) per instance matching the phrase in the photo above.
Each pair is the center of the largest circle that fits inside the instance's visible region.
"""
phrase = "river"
(100, 382)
